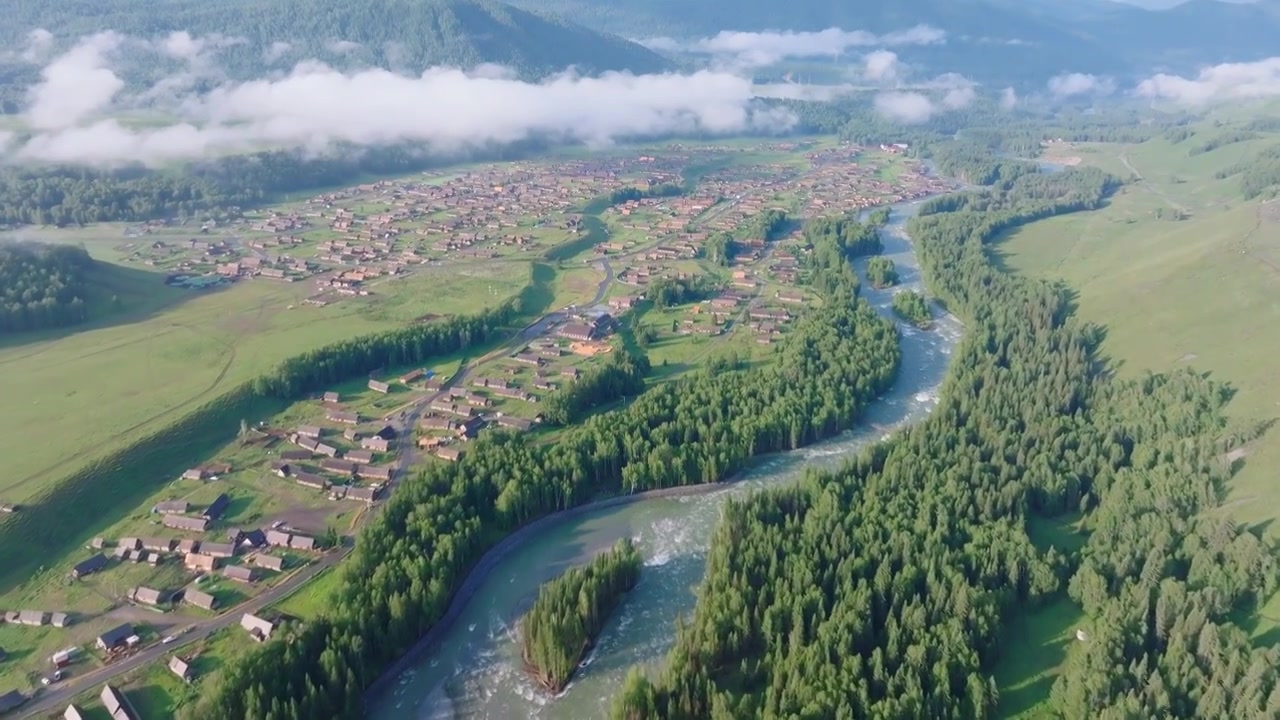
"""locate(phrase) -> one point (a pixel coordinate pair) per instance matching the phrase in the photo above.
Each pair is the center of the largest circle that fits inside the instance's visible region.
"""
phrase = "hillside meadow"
(1181, 272)
(76, 395)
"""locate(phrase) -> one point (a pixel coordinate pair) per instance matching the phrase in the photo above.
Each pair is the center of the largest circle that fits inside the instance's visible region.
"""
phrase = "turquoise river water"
(474, 670)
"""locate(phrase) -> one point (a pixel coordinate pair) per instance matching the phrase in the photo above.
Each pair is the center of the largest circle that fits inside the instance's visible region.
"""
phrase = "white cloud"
(662, 44)
(182, 45)
(39, 43)
(75, 85)
(959, 98)
(908, 108)
(761, 49)
(446, 110)
(343, 47)
(1073, 84)
(276, 50)
(796, 91)
(881, 66)
(1220, 82)
(1008, 98)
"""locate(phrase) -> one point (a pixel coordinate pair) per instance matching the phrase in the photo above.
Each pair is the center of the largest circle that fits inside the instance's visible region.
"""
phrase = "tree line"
(661, 190)
(317, 369)
(671, 291)
(1258, 175)
(620, 375)
(410, 559)
(42, 286)
(879, 590)
(77, 196)
(571, 610)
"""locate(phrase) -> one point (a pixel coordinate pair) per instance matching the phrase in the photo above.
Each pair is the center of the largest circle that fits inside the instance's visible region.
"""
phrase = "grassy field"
(1197, 292)
(76, 395)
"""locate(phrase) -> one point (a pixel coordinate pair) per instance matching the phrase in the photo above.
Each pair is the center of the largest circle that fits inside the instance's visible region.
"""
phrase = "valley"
(381, 250)
(642, 360)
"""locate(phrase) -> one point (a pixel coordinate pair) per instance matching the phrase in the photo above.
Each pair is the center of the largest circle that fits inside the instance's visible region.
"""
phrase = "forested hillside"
(412, 556)
(880, 590)
(42, 286)
(1258, 175)
(67, 196)
(571, 610)
(405, 35)
(988, 40)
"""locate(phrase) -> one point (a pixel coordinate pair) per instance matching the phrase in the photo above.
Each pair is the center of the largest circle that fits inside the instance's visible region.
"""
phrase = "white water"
(475, 670)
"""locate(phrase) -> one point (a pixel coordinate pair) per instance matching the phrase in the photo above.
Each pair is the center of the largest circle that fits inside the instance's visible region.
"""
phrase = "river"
(474, 670)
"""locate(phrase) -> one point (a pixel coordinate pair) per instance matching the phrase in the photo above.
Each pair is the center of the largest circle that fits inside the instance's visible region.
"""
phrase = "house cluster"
(232, 258)
(335, 460)
(767, 323)
(37, 618)
(840, 181)
(471, 214)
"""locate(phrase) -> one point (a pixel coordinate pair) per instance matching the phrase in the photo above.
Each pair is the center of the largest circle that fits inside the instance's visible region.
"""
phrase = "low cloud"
(947, 92)
(316, 107)
(182, 45)
(908, 108)
(39, 43)
(881, 66)
(761, 49)
(276, 50)
(959, 98)
(1008, 98)
(1229, 81)
(75, 85)
(1076, 84)
(343, 47)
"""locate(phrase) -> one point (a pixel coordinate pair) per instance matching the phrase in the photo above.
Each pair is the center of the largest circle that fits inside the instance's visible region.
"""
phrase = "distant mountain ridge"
(994, 41)
(405, 35)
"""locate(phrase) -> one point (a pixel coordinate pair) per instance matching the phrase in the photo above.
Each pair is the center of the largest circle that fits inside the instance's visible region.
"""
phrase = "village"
(228, 537)
(345, 243)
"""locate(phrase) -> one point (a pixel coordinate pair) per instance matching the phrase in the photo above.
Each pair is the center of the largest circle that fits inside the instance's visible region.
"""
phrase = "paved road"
(604, 284)
(57, 698)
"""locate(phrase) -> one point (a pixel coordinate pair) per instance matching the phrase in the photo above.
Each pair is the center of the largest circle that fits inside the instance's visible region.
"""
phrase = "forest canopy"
(571, 610)
(880, 590)
(42, 286)
(911, 306)
(412, 556)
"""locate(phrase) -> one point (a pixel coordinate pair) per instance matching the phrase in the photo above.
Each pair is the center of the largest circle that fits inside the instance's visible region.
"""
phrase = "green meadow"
(76, 395)
(1181, 272)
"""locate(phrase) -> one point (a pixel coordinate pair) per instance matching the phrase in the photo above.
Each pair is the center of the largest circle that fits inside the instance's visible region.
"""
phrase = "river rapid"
(474, 670)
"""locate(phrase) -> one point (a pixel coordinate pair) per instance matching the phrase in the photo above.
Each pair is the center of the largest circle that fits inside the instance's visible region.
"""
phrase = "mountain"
(994, 41)
(1191, 34)
(407, 35)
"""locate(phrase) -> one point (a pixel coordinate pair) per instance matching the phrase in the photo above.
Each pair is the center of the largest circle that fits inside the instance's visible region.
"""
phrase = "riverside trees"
(571, 610)
(879, 590)
(910, 306)
(881, 273)
(410, 558)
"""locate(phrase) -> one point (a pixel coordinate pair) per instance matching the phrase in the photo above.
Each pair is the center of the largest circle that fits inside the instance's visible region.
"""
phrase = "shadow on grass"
(154, 700)
(116, 295)
(536, 297)
(1035, 645)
